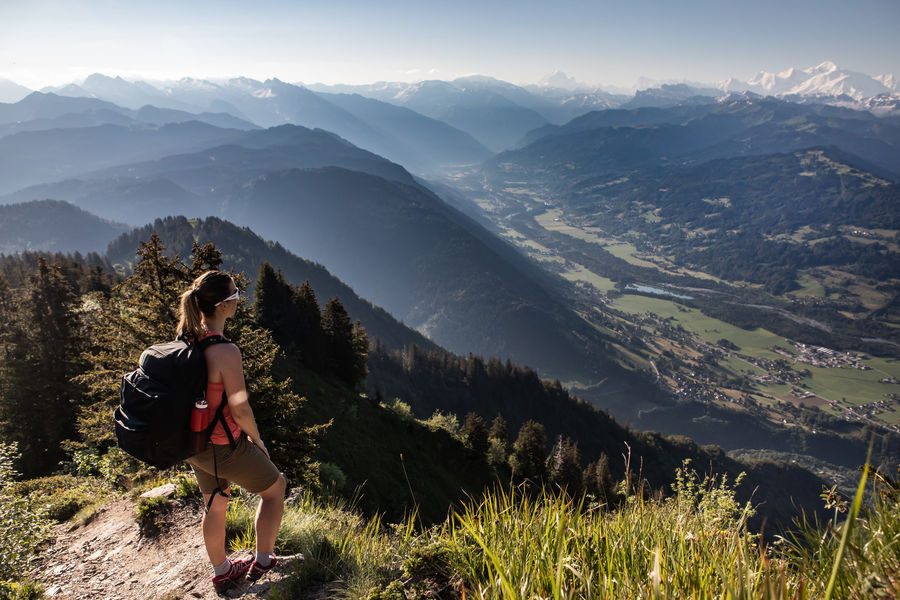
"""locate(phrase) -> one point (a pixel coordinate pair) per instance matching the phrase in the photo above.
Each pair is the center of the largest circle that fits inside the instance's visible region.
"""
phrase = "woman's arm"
(236, 392)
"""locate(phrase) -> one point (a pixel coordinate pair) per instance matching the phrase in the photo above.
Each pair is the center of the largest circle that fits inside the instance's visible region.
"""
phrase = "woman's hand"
(261, 445)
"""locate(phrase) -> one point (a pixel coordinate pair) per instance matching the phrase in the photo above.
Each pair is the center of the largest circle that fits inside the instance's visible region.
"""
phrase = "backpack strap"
(218, 418)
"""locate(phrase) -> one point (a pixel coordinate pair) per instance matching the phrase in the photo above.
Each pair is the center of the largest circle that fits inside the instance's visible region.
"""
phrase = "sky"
(51, 42)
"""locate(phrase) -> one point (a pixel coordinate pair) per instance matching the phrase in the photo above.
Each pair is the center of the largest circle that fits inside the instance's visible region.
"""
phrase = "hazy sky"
(46, 42)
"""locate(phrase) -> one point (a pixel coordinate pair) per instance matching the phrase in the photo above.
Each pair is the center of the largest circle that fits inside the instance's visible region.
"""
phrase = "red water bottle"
(200, 416)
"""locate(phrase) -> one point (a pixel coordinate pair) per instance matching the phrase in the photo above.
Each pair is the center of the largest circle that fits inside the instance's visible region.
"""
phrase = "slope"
(53, 226)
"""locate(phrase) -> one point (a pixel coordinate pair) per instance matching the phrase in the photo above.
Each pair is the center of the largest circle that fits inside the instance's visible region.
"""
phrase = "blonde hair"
(200, 299)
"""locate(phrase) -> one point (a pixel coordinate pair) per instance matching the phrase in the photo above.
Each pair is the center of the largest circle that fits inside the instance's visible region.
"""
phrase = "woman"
(205, 307)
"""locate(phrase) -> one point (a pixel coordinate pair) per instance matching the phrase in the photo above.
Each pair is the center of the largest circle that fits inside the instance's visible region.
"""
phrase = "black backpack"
(156, 400)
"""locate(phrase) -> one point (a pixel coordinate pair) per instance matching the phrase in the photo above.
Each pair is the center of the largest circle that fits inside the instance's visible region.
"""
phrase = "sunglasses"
(235, 296)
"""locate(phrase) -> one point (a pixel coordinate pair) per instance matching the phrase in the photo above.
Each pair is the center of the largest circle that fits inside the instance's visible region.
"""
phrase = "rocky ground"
(109, 558)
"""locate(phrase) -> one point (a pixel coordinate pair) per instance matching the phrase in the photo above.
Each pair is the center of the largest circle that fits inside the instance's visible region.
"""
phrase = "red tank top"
(215, 394)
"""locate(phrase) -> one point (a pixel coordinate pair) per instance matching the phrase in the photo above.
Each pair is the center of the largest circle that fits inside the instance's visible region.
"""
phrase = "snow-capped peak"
(560, 80)
(825, 79)
(889, 81)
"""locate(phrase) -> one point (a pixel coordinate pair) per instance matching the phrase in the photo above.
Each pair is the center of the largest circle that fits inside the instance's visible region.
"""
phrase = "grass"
(526, 544)
(65, 497)
(580, 273)
(754, 342)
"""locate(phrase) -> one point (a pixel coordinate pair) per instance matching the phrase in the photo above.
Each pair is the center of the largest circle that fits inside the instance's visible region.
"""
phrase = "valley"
(678, 325)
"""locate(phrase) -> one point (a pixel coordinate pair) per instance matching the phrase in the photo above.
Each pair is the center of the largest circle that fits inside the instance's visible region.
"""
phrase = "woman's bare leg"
(268, 515)
(214, 528)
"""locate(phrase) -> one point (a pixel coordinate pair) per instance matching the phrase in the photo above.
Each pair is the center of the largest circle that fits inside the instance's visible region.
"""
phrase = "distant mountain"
(494, 112)
(559, 80)
(129, 200)
(418, 142)
(438, 271)
(33, 157)
(53, 226)
(43, 111)
(825, 79)
(612, 141)
(39, 105)
(130, 94)
(672, 94)
(10, 91)
(197, 183)
(416, 139)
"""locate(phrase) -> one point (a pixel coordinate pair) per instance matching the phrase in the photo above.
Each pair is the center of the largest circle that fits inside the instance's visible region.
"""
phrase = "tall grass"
(521, 544)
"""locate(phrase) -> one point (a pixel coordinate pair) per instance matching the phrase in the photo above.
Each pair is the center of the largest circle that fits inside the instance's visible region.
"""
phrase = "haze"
(49, 42)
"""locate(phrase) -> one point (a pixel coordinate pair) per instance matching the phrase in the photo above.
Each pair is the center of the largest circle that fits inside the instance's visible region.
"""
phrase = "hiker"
(237, 454)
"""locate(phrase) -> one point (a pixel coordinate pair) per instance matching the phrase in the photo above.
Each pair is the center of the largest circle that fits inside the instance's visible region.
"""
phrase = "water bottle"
(200, 416)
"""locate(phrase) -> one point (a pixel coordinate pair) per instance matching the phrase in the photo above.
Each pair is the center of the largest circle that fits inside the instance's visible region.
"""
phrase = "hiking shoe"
(257, 570)
(236, 572)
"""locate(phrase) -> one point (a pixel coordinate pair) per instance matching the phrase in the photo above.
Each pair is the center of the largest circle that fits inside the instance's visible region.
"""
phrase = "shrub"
(63, 496)
(23, 525)
(150, 514)
(19, 590)
(400, 408)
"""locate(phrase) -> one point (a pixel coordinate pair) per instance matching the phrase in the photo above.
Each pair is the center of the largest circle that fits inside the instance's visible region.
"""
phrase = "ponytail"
(190, 323)
(200, 299)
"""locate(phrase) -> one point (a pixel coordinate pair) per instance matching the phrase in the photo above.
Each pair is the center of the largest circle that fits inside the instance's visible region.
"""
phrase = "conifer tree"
(273, 303)
(360, 352)
(498, 442)
(597, 480)
(339, 337)
(310, 337)
(498, 429)
(475, 434)
(564, 466)
(37, 401)
(529, 453)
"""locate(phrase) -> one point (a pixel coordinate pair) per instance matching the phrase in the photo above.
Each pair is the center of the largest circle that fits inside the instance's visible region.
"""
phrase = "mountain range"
(233, 151)
(825, 79)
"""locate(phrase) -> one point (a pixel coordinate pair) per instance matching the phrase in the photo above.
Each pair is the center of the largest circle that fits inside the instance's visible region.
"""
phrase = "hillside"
(33, 157)
(613, 142)
(53, 226)
(245, 251)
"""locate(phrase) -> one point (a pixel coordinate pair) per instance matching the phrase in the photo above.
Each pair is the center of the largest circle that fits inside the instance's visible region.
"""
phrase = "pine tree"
(339, 337)
(564, 466)
(42, 348)
(529, 453)
(475, 434)
(310, 337)
(360, 352)
(273, 304)
(598, 481)
(498, 429)
(498, 442)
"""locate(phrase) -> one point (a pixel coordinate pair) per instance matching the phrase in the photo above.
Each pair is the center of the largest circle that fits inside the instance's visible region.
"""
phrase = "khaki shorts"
(246, 465)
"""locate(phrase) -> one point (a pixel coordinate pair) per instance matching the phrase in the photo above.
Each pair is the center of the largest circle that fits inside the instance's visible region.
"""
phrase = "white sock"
(263, 559)
(223, 568)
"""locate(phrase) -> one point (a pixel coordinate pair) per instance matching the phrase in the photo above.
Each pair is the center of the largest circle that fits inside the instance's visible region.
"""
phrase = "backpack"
(156, 399)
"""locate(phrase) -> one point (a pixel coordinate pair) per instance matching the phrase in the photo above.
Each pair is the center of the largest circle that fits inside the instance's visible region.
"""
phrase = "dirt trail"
(109, 559)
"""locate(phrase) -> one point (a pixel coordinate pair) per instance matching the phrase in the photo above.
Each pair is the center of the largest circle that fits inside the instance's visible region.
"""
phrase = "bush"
(150, 513)
(18, 590)
(23, 525)
(400, 408)
(63, 496)
(332, 477)
(446, 421)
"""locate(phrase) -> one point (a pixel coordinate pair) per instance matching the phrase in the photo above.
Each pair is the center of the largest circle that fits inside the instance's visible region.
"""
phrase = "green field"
(579, 273)
(857, 387)
(756, 342)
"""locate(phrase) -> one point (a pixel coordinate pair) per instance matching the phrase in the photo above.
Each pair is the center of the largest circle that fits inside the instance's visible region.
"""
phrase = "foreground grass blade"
(851, 518)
